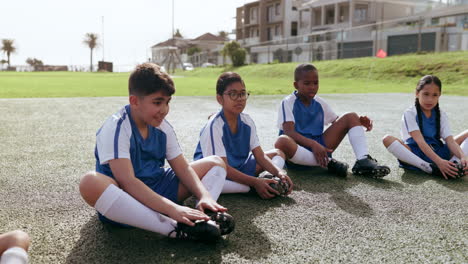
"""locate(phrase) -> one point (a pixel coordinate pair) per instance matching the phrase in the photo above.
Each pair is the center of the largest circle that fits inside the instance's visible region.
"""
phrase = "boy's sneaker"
(370, 167)
(337, 167)
(224, 220)
(206, 231)
(280, 186)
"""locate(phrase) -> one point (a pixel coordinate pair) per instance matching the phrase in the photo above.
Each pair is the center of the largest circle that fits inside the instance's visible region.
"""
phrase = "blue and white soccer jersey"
(120, 138)
(309, 121)
(410, 124)
(217, 139)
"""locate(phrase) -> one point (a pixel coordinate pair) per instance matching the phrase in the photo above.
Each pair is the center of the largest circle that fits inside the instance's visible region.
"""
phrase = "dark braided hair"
(428, 79)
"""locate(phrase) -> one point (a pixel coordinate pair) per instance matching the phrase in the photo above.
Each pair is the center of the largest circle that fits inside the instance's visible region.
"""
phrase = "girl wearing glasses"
(232, 135)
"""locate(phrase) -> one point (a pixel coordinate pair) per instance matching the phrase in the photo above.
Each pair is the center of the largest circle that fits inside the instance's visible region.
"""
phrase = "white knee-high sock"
(214, 180)
(464, 148)
(358, 141)
(405, 155)
(14, 255)
(234, 187)
(120, 207)
(278, 161)
(304, 157)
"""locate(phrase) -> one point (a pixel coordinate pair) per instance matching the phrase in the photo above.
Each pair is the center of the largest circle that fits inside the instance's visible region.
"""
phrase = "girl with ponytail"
(428, 143)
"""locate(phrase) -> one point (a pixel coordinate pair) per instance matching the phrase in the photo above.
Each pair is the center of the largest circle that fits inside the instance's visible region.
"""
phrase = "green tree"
(8, 48)
(91, 40)
(193, 50)
(223, 34)
(34, 62)
(177, 34)
(235, 52)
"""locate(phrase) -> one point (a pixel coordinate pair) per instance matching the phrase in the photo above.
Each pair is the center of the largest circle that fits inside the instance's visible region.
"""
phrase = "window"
(270, 13)
(277, 9)
(269, 33)
(360, 13)
(253, 14)
(277, 30)
(293, 28)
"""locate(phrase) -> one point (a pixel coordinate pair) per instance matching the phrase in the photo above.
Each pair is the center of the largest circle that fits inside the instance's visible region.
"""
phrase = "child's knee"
(87, 180)
(18, 238)
(279, 152)
(352, 116)
(93, 184)
(283, 142)
(217, 161)
(387, 140)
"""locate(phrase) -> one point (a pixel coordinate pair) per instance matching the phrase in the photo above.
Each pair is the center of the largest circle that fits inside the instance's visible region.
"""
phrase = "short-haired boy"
(130, 185)
(302, 117)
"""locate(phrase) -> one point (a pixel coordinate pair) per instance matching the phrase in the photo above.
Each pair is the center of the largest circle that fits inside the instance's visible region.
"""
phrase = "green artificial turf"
(48, 143)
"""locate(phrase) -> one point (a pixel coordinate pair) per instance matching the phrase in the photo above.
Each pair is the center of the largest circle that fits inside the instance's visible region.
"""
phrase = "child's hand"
(321, 154)
(207, 203)
(285, 178)
(366, 122)
(464, 162)
(186, 215)
(447, 168)
(263, 188)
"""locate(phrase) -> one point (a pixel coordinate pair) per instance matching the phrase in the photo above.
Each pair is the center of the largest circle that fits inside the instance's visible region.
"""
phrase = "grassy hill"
(363, 75)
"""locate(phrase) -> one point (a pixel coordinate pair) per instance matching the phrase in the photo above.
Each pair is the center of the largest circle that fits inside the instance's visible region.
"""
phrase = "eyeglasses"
(234, 96)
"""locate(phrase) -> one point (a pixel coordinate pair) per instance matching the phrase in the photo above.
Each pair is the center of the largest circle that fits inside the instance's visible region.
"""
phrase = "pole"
(103, 38)
(172, 18)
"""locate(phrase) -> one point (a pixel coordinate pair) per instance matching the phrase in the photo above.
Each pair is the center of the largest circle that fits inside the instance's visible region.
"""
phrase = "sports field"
(46, 144)
(396, 74)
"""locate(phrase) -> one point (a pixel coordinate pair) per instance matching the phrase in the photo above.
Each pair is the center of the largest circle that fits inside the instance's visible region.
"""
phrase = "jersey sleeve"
(285, 111)
(329, 115)
(254, 142)
(173, 149)
(211, 138)
(409, 120)
(113, 139)
(444, 126)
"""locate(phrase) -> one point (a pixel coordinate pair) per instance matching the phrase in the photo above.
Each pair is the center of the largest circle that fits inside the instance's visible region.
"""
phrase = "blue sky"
(53, 30)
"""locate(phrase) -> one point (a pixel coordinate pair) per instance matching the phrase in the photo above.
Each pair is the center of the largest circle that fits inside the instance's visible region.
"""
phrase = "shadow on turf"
(318, 180)
(416, 178)
(103, 243)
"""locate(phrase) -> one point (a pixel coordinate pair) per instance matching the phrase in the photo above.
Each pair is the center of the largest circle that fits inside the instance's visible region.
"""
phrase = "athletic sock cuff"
(107, 198)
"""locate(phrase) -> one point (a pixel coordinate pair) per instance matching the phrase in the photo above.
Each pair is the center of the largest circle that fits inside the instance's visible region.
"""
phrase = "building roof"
(173, 42)
(209, 37)
(183, 43)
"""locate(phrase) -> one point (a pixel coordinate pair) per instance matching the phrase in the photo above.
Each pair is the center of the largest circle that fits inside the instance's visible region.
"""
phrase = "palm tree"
(91, 41)
(8, 48)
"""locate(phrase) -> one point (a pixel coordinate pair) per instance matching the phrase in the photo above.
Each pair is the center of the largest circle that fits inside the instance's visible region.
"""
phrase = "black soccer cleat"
(337, 167)
(460, 168)
(370, 167)
(224, 220)
(435, 170)
(205, 231)
(279, 186)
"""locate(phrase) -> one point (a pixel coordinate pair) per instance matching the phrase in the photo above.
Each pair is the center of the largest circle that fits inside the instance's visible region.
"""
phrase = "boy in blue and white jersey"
(130, 185)
(302, 118)
(232, 135)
